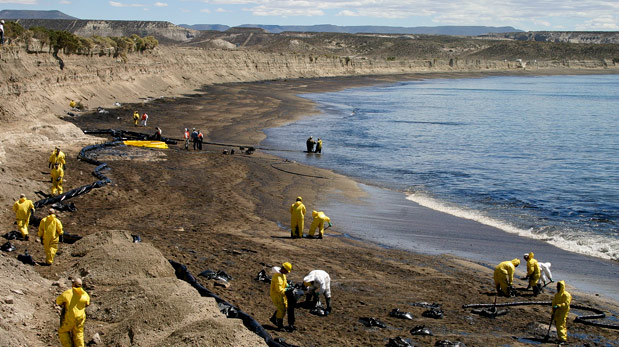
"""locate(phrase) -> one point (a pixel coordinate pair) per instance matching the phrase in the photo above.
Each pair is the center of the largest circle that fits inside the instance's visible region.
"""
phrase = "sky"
(528, 15)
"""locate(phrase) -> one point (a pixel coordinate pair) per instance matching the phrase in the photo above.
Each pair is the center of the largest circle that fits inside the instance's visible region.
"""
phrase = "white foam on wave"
(593, 245)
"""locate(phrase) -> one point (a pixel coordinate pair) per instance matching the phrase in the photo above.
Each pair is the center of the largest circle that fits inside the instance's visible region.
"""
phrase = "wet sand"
(230, 212)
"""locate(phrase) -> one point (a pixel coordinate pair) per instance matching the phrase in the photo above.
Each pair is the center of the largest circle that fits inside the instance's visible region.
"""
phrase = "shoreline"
(591, 275)
(244, 199)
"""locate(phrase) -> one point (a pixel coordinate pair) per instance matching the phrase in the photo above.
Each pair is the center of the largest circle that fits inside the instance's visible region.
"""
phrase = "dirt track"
(214, 211)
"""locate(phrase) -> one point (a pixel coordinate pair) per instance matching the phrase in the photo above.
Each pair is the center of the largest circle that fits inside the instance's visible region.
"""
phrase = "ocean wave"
(595, 245)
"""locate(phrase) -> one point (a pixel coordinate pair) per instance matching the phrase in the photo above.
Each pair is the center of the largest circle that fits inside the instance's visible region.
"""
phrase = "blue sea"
(533, 156)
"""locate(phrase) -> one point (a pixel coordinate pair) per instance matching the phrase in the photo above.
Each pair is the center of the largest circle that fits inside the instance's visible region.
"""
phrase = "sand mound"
(111, 258)
(23, 294)
(137, 300)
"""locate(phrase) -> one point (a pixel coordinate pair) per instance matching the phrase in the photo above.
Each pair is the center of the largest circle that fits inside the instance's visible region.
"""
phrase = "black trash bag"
(447, 343)
(7, 247)
(372, 322)
(263, 277)
(208, 274)
(26, 258)
(59, 206)
(13, 235)
(229, 310)
(491, 312)
(212, 275)
(69, 238)
(136, 238)
(400, 314)
(399, 342)
(223, 276)
(435, 313)
(421, 330)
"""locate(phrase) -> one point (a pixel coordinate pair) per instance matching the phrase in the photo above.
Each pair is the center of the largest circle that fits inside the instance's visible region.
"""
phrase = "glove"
(49, 165)
(555, 307)
(330, 225)
(61, 238)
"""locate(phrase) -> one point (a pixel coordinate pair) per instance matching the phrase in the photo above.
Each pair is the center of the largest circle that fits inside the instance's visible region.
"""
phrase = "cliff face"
(599, 37)
(86, 28)
(33, 87)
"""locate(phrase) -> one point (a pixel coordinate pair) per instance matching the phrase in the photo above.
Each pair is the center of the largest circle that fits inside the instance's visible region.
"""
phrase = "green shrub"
(13, 30)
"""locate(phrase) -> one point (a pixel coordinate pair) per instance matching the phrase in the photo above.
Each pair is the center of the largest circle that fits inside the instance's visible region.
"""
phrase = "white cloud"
(120, 4)
(64, 2)
(221, 10)
(600, 14)
(205, 10)
(19, 2)
(160, 4)
(604, 22)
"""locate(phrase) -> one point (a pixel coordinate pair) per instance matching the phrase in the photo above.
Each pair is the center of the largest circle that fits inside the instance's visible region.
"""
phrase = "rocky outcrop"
(164, 31)
(599, 37)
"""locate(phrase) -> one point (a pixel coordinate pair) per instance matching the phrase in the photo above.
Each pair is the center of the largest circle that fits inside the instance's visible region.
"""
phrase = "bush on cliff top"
(69, 43)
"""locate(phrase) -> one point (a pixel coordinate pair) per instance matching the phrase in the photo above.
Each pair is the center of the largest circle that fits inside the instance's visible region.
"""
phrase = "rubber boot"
(273, 318)
(328, 309)
(280, 324)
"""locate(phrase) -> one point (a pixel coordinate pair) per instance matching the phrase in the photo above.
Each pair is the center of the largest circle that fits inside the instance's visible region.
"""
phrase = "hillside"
(373, 29)
(32, 14)
(597, 37)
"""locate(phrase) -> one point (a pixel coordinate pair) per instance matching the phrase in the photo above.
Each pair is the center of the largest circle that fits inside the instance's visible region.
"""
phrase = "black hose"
(103, 180)
(585, 319)
(250, 323)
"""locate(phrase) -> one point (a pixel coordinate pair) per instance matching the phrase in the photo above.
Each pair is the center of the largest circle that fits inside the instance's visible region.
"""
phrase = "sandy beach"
(230, 212)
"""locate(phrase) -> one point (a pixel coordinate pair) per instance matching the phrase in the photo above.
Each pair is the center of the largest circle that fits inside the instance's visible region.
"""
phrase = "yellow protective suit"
(57, 177)
(278, 294)
(136, 118)
(297, 214)
(50, 230)
(72, 104)
(71, 331)
(318, 146)
(504, 275)
(318, 222)
(561, 307)
(533, 272)
(23, 208)
(57, 158)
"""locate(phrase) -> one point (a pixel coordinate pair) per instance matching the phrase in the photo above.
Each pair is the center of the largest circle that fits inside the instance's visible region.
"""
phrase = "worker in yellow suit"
(23, 208)
(50, 230)
(279, 286)
(504, 276)
(57, 157)
(297, 218)
(136, 118)
(319, 222)
(533, 273)
(560, 309)
(57, 177)
(73, 302)
(72, 104)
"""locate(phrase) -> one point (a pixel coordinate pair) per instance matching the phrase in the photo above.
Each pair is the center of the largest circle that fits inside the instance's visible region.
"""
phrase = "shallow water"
(494, 159)
(533, 156)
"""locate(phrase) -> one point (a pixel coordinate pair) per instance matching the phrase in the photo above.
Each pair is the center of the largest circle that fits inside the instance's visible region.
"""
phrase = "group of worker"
(310, 145)
(142, 120)
(315, 283)
(196, 136)
(297, 221)
(504, 278)
(73, 301)
(57, 162)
